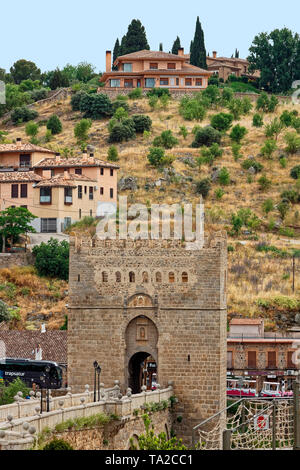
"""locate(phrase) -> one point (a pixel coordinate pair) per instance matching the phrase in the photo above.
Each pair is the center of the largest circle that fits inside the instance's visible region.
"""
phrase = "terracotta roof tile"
(26, 176)
(64, 181)
(73, 162)
(22, 344)
(23, 147)
(145, 54)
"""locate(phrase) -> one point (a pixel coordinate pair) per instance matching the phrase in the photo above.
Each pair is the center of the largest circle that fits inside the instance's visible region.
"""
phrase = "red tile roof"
(73, 162)
(20, 176)
(22, 344)
(145, 54)
(64, 181)
(23, 147)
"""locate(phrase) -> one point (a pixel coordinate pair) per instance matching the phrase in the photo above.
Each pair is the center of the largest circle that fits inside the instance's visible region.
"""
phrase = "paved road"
(38, 238)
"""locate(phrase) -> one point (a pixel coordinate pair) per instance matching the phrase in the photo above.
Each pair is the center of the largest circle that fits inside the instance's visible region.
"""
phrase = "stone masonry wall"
(189, 317)
(8, 260)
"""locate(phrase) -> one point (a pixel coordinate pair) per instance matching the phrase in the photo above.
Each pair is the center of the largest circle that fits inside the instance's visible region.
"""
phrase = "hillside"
(252, 274)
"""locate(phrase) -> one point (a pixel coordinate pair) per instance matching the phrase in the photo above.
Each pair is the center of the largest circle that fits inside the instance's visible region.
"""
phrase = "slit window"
(158, 277)
(118, 276)
(131, 277)
(185, 277)
(104, 277)
(171, 277)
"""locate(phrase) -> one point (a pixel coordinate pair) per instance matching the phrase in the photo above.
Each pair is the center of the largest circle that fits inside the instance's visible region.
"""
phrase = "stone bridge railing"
(21, 420)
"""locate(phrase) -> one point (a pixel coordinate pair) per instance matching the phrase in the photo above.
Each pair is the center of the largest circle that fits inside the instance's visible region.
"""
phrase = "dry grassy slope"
(251, 275)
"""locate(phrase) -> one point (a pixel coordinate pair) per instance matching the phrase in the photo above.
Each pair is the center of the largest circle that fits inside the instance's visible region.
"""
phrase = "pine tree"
(176, 45)
(198, 52)
(135, 39)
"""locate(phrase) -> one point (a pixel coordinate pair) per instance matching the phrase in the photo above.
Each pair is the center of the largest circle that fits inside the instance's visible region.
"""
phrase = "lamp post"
(95, 372)
(98, 370)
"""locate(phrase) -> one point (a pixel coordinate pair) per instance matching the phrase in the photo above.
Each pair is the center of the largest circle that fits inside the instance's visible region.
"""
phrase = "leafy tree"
(85, 72)
(295, 172)
(166, 140)
(176, 46)
(274, 128)
(32, 129)
(81, 130)
(15, 221)
(258, 120)
(203, 187)
(227, 95)
(96, 106)
(75, 100)
(141, 123)
(52, 259)
(276, 55)
(198, 51)
(23, 70)
(238, 133)
(54, 124)
(135, 39)
(268, 206)
(266, 103)
(209, 154)
(8, 392)
(206, 136)
(222, 121)
(211, 95)
(237, 224)
(192, 109)
(157, 157)
(121, 131)
(58, 80)
(112, 154)
(283, 208)
(287, 118)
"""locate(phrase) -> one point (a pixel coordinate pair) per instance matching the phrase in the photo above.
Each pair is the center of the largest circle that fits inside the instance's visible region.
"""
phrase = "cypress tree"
(237, 54)
(198, 52)
(176, 45)
(136, 39)
(161, 47)
(122, 49)
(116, 52)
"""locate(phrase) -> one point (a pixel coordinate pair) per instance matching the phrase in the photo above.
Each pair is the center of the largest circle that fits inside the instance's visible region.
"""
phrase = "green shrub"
(268, 206)
(238, 133)
(258, 120)
(295, 172)
(208, 154)
(274, 128)
(224, 177)
(283, 208)
(75, 100)
(112, 154)
(206, 136)
(236, 149)
(292, 139)
(96, 106)
(23, 114)
(158, 92)
(287, 118)
(203, 187)
(52, 259)
(32, 129)
(222, 121)
(192, 109)
(183, 131)
(117, 103)
(251, 163)
(58, 444)
(290, 195)
(266, 103)
(166, 140)
(211, 95)
(264, 183)
(122, 131)
(8, 392)
(219, 193)
(153, 102)
(157, 157)
(141, 123)
(135, 94)
(4, 312)
(81, 130)
(54, 124)
(268, 148)
(227, 95)
(164, 100)
(283, 161)
(287, 232)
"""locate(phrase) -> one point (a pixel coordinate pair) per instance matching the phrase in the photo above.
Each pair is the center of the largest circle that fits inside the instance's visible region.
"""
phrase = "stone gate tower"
(130, 300)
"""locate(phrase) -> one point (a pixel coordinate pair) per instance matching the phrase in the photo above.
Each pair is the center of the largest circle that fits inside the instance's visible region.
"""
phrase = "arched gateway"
(149, 312)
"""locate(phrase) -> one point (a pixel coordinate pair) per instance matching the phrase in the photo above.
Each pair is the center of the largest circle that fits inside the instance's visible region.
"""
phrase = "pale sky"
(55, 33)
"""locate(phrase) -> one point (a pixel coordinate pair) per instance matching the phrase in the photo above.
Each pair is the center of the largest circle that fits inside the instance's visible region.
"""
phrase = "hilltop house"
(154, 69)
(225, 66)
(59, 191)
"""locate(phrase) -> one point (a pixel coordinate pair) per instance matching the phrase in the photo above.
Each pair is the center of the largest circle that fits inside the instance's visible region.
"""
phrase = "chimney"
(181, 51)
(84, 157)
(66, 175)
(18, 140)
(214, 54)
(57, 157)
(108, 61)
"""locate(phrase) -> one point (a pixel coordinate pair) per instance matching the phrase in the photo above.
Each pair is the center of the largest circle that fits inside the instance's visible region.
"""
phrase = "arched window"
(131, 277)
(171, 277)
(158, 277)
(104, 277)
(185, 277)
(118, 276)
(145, 277)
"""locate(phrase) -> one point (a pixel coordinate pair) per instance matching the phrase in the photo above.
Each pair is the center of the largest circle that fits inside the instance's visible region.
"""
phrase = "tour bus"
(239, 387)
(44, 374)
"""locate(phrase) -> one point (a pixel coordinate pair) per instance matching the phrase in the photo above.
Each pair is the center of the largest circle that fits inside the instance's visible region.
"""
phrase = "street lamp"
(95, 372)
(98, 370)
